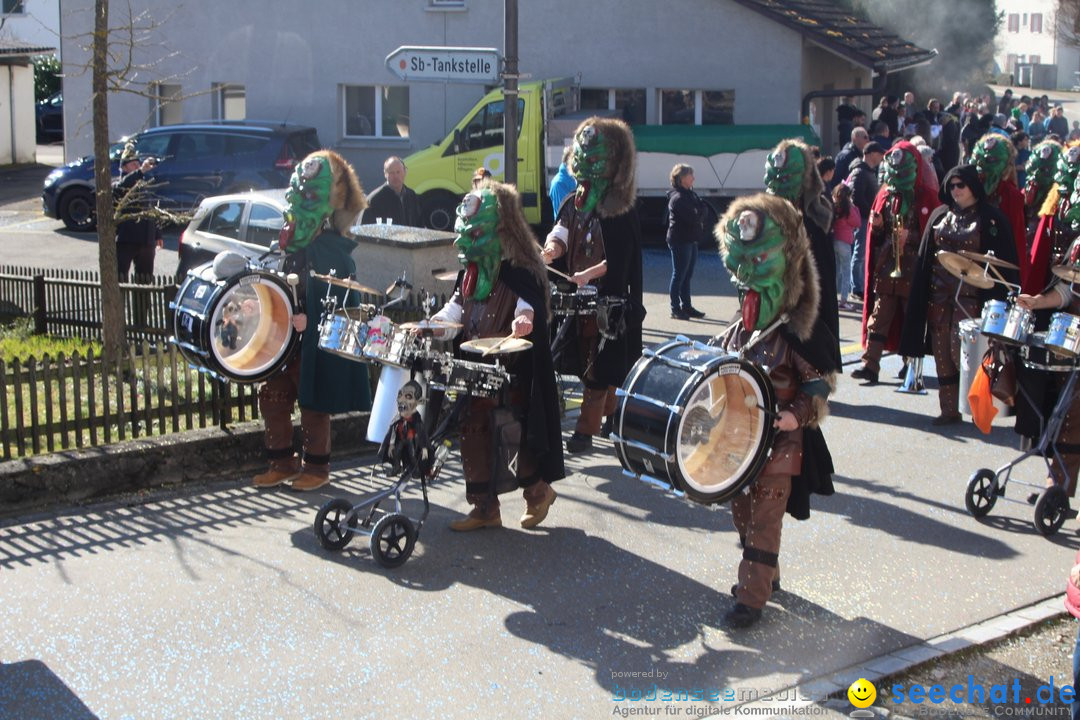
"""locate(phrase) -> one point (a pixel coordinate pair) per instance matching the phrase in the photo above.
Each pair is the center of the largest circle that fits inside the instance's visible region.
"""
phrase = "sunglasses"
(957, 186)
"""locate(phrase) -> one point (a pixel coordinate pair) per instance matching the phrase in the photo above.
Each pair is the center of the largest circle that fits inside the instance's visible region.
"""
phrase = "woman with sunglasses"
(939, 300)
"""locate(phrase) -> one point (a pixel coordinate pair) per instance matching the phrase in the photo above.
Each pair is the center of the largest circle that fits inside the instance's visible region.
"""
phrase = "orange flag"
(981, 401)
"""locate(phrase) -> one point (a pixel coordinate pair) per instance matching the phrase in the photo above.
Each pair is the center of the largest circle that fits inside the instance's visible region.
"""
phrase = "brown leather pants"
(759, 519)
(877, 327)
(943, 320)
(277, 397)
(596, 404)
(477, 454)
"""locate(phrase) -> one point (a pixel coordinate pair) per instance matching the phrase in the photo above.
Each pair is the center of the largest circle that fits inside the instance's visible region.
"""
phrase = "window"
(224, 220)
(485, 128)
(229, 102)
(264, 224)
(167, 104)
(1010, 62)
(244, 144)
(156, 145)
(190, 146)
(446, 4)
(1014, 22)
(630, 102)
(1034, 59)
(1023, 20)
(1036, 22)
(13, 7)
(697, 107)
(380, 111)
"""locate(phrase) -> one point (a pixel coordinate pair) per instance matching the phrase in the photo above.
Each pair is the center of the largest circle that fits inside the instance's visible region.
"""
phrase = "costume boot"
(593, 403)
(485, 513)
(538, 498)
(949, 402)
(284, 466)
(316, 469)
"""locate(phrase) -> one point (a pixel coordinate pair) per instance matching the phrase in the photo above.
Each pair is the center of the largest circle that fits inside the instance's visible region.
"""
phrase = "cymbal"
(431, 325)
(965, 269)
(487, 346)
(346, 283)
(988, 258)
(1067, 272)
(445, 275)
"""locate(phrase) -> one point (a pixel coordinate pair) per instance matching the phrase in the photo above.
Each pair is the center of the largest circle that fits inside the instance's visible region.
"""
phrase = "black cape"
(622, 248)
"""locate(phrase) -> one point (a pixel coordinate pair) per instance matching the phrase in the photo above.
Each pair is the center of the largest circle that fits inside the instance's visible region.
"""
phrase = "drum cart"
(1052, 504)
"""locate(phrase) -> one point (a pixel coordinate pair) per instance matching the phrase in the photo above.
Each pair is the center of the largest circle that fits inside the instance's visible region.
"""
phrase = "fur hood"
(801, 288)
(810, 201)
(346, 194)
(622, 165)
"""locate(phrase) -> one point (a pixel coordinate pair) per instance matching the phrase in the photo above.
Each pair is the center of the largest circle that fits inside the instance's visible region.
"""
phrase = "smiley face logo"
(862, 693)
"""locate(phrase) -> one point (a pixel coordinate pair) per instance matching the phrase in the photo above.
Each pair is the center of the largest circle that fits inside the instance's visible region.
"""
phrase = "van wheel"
(77, 210)
(439, 207)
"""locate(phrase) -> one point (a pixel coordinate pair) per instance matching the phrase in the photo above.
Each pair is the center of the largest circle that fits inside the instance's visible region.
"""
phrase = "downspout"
(11, 109)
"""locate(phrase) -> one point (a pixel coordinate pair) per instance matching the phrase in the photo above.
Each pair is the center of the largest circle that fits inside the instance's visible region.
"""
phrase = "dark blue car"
(194, 161)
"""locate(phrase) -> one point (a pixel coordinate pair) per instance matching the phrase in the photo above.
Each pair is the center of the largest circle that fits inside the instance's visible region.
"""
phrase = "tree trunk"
(112, 303)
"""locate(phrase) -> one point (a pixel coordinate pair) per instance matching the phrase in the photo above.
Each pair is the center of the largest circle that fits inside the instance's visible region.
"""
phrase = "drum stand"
(1052, 505)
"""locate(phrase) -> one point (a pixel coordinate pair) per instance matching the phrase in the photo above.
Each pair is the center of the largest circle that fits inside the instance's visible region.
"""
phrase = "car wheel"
(440, 209)
(76, 210)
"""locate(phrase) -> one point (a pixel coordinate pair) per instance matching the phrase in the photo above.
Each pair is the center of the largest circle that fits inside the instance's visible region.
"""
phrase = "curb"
(73, 476)
(830, 691)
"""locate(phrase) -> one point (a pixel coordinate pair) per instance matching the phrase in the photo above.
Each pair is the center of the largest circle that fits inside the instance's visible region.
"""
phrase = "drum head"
(251, 327)
(724, 432)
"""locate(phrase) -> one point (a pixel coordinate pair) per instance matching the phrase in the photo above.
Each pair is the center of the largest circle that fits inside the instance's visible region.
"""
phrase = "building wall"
(825, 70)
(39, 26)
(1024, 43)
(292, 61)
(17, 114)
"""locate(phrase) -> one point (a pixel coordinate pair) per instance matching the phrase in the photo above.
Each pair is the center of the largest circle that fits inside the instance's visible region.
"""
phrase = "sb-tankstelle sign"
(445, 64)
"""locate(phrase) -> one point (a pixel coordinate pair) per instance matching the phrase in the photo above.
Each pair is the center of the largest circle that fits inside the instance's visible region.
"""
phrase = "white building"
(1028, 37)
(322, 64)
(34, 23)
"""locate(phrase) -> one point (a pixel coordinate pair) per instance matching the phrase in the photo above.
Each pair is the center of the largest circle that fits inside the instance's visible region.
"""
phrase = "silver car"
(247, 223)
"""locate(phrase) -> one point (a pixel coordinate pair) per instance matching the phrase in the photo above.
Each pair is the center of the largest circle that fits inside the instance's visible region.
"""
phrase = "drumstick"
(492, 348)
(560, 274)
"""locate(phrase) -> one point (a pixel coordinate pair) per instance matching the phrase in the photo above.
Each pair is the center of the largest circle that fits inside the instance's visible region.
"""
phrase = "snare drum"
(344, 333)
(1009, 323)
(388, 344)
(476, 379)
(580, 302)
(696, 419)
(1063, 337)
(1036, 356)
(237, 329)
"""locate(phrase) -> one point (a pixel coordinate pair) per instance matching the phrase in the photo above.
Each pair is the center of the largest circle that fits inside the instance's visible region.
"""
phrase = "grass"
(19, 341)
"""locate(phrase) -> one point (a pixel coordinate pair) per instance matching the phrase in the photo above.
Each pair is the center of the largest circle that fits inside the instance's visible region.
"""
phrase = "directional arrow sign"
(445, 64)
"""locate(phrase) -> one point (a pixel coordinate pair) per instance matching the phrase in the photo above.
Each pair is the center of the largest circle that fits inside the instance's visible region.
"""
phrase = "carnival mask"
(1067, 165)
(991, 159)
(408, 398)
(590, 168)
(1041, 169)
(755, 256)
(308, 197)
(478, 246)
(784, 170)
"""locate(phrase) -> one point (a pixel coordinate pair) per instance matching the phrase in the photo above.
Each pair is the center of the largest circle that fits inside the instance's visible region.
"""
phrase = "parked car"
(49, 116)
(247, 223)
(195, 161)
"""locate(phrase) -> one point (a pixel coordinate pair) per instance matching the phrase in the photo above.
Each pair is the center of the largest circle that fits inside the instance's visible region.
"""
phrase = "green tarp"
(709, 140)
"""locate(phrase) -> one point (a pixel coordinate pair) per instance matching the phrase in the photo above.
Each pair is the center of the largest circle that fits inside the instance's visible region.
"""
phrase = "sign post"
(445, 64)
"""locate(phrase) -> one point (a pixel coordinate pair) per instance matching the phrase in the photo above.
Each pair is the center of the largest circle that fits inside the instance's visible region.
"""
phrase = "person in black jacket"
(393, 200)
(686, 215)
(137, 237)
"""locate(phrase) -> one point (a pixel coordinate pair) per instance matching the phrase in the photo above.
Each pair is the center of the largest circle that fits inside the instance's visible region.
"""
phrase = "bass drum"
(238, 329)
(695, 419)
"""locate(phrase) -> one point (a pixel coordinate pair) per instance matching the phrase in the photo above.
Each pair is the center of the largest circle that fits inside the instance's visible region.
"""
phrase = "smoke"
(962, 31)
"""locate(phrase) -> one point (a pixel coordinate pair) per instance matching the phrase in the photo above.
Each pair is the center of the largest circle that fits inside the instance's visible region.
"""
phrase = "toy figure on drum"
(324, 198)
(597, 240)
(765, 246)
(406, 447)
(967, 222)
(897, 219)
(513, 439)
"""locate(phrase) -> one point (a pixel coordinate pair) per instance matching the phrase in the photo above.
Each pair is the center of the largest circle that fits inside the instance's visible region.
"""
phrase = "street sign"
(445, 64)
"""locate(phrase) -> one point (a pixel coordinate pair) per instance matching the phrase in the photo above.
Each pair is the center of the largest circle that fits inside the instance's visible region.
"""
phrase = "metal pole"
(510, 91)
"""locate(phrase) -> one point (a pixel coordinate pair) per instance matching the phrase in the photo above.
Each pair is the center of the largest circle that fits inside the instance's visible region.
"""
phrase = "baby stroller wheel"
(1050, 510)
(981, 492)
(392, 540)
(330, 527)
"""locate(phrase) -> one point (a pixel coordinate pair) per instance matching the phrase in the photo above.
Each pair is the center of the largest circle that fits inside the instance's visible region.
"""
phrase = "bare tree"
(1067, 22)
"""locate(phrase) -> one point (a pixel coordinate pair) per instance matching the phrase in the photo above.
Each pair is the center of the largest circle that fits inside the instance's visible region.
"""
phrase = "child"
(846, 219)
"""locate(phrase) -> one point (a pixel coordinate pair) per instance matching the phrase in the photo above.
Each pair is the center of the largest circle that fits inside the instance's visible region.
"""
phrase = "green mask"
(478, 246)
(1041, 169)
(590, 169)
(901, 171)
(1067, 165)
(309, 203)
(1072, 213)
(755, 257)
(991, 159)
(784, 170)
